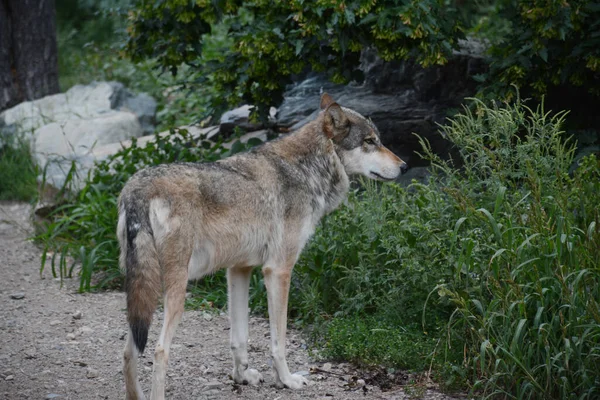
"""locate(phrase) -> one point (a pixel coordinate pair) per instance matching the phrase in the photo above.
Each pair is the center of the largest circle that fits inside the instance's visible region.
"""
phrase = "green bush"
(536, 45)
(545, 44)
(526, 287)
(271, 41)
(18, 171)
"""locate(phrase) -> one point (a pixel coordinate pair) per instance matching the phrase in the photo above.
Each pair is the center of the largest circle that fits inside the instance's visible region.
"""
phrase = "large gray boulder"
(402, 98)
(64, 128)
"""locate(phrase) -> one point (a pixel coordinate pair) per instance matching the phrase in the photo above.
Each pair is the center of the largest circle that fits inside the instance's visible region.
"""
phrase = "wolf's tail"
(139, 261)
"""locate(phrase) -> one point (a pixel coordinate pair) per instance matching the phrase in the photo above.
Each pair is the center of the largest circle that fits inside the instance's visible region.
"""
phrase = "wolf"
(182, 221)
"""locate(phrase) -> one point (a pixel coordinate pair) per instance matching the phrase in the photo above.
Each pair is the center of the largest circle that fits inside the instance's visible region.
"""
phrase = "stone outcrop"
(64, 128)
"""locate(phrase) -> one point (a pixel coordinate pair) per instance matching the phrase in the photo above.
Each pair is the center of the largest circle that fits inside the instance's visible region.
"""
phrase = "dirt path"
(55, 343)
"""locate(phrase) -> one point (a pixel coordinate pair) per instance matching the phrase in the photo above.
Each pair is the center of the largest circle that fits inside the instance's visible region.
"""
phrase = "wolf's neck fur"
(319, 169)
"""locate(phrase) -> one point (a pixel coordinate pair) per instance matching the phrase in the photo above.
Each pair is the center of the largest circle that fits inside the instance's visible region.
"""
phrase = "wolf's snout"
(403, 167)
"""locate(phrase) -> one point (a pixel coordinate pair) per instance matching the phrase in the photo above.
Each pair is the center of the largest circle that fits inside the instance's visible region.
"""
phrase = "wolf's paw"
(293, 382)
(248, 377)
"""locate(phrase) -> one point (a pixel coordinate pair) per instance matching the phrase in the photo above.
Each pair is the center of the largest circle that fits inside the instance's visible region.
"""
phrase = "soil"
(57, 343)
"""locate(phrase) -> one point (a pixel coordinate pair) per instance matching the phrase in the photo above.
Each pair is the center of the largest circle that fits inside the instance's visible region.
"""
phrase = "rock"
(54, 322)
(360, 382)
(70, 336)
(17, 296)
(420, 174)
(65, 127)
(212, 385)
(30, 353)
(302, 373)
(52, 396)
(142, 105)
(239, 117)
(76, 315)
(85, 330)
(59, 144)
(9, 378)
(91, 373)
(326, 367)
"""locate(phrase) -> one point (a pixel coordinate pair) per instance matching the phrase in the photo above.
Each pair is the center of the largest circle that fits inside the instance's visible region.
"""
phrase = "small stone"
(30, 353)
(92, 373)
(207, 316)
(212, 385)
(84, 330)
(70, 336)
(76, 315)
(52, 395)
(55, 322)
(327, 367)
(9, 377)
(17, 296)
(360, 382)
(302, 373)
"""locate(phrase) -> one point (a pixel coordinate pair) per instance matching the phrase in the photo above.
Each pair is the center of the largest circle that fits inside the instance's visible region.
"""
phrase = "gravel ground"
(56, 343)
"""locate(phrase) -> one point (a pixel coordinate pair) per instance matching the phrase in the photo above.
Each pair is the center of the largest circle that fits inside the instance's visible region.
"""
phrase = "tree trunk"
(8, 91)
(28, 51)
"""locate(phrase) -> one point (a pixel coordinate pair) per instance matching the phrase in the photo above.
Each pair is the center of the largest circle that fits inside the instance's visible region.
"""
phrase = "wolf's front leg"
(238, 282)
(277, 281)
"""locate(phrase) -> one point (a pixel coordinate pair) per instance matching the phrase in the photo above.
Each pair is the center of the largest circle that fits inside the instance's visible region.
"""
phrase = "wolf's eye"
(370, 141)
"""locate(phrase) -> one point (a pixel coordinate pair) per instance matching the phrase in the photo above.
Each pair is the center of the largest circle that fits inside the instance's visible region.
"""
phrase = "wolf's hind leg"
(238, 283)
(174, 301)
(130, 357)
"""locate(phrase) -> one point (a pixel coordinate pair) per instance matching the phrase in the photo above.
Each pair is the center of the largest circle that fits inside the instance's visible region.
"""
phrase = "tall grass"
(18, 171)
(527, 285)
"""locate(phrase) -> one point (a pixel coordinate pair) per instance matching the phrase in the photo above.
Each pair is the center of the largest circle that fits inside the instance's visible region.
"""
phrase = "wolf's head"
(358, 144)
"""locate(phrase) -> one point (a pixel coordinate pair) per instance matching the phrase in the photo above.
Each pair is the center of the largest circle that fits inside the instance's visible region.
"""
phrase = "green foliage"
(373, 340)
(273, 40)
(532, 44)
(547, 43)
(384, 251)
(18, 172)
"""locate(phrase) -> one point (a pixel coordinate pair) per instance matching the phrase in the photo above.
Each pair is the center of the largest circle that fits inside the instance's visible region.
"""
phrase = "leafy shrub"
(91, 36)
(532, 44)
(528, 250)
(273, 40)
(546, 43)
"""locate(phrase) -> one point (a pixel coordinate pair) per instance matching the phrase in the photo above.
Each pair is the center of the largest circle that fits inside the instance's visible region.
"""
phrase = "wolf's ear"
(326, 101)
(336, 122)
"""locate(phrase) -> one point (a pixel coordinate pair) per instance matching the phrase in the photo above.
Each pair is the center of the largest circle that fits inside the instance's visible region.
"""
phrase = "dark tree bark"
(28, 51)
